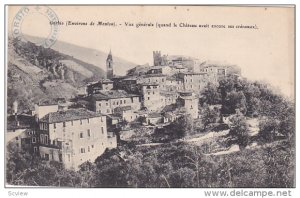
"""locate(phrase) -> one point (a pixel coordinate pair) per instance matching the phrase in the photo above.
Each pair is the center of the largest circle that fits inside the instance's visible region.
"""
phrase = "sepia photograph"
(150, 96)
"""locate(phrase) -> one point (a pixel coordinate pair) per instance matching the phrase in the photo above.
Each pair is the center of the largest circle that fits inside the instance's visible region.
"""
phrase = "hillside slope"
(35, 74)
(91, 56)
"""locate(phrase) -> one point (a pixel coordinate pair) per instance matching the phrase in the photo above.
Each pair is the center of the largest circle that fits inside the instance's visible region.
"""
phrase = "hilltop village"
(149, 97)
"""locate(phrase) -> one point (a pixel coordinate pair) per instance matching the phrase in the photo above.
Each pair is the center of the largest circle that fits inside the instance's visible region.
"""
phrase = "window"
(107, 110)
(101, 119)
(82, 150)
(162, 80)
(80, 122)
(64, 124)
(33, 140)
(46, 139)
(148, 92)
(124, 101)
(60, 157)
(42, 138)
(81, 135)
(121, 101)
(88, 120)
(47, 157)
(114, 103)
(35, 149)
(148, 98)
(72, 123)
(89, 149)
(153, 92)
(107, 104)
(117, 103)
(54, 125)
(17, 138)
(89, 133)
(99, 104)
(69, 157)
(93, 146)
(102, 130)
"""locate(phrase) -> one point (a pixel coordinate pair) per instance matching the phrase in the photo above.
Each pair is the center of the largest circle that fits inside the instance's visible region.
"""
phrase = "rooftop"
(69, 115)
(154, 115)
(194, 73)
(154, 75)
(106, 81)
(22, 122)
(149, 84)
(159, 67)
(110, 94)
(124, 108)
(167, 93)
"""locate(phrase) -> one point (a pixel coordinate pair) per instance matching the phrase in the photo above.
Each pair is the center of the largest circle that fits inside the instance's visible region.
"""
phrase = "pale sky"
(266, 53)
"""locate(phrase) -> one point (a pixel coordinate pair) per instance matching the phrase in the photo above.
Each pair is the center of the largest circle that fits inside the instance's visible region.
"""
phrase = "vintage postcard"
(150, 96)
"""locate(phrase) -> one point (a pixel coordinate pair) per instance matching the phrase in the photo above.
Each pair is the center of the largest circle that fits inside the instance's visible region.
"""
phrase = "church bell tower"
(109, 66)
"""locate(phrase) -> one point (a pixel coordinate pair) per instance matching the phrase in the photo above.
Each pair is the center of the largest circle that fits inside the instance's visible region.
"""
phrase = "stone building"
(165, 70)
(93, 88)
(73, 137)
(109, 66)
(168, 98)
(193, 81)
(42, 109)
(190, 102)
(151, 96)
(159, 59)
(126, 113)
(173, 84)
(214, 73)
(106, 101)
(154, 78)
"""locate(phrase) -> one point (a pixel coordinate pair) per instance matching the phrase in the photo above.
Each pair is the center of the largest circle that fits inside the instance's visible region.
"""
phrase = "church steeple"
(109, 66)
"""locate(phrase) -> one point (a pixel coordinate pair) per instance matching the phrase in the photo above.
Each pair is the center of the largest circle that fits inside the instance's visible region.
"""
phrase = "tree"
(209, 115)
(268, 128)
(183, 126)
(234, 101)
(210, 95)
(239, 132)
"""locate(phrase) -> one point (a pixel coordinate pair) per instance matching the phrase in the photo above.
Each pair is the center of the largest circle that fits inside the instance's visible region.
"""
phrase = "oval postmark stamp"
(39, 20)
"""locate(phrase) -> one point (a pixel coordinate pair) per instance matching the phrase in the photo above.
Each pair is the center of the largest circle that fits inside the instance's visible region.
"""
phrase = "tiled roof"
(124, 108)
(194, 73)
(171, 78)
(159, 67)
(105, 95)
(106, 81)
(68, 115)
(154, 75)
(149, 84)
(131, 78)
(154, 115)
(47, 103)
(167, 93)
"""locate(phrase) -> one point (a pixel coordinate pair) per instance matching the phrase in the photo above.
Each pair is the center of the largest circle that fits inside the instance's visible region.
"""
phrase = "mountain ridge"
(91, 56)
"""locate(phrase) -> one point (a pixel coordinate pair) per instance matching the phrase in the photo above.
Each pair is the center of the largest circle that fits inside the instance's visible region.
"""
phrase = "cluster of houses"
(150, 95)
